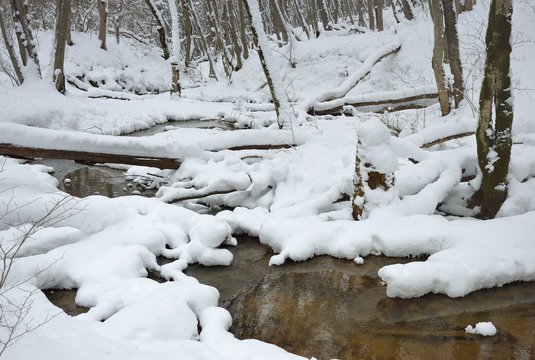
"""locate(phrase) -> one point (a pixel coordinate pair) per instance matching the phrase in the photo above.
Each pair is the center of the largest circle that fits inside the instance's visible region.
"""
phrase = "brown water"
(84, 180)
(64, 299)
(332, 308)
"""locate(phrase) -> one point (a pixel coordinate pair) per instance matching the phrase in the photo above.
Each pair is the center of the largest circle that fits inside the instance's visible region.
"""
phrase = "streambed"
(333, 308)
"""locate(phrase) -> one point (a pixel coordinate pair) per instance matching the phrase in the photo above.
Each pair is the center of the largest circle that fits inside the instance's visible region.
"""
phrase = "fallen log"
(392, 104)
(447, 138)
(202, 195)
(261, 147)
(24, 152)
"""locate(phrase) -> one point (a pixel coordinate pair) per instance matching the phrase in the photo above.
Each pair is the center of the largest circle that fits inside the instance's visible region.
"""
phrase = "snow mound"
(482, 328)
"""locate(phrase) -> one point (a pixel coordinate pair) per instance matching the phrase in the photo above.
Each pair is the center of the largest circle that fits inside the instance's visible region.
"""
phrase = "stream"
(333, 308)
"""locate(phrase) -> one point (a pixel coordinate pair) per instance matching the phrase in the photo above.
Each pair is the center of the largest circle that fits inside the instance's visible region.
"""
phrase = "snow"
(482, 328)
(296, 199)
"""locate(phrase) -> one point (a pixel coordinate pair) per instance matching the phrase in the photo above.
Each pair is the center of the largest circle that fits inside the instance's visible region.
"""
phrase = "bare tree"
(16, 230)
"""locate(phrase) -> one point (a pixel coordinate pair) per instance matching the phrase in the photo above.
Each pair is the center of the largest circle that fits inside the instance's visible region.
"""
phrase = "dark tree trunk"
(494, 140)
(103, 22)
(450, 25)
(62, 24)
(407, 10)
(438, 56)
(371, 16)
(378, 6)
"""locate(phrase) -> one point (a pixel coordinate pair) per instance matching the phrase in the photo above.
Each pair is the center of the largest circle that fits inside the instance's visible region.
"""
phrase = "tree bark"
(322, 8)
(176, 89)
(62, 23)
(256, 27)
(24, 33)
(494, 141)
(450, 25)
(371, 16)
(103, 22)
(378, 4)
(468, 5)
(407, 11)
(204, 43)
(243, 31)
(8, 41)
(438, 56)
(162, 34)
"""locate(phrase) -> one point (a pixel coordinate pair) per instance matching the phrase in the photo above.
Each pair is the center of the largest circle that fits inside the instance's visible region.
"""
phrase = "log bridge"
(86, 157)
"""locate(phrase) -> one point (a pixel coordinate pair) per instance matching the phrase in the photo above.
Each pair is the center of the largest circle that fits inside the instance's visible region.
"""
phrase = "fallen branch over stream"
(88, 157)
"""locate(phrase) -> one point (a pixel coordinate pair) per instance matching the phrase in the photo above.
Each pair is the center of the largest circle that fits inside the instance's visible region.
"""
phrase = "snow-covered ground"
(292, 199)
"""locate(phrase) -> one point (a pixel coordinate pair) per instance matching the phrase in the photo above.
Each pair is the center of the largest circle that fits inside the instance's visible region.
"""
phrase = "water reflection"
(194, 124)
(329, 308)
(84, 180)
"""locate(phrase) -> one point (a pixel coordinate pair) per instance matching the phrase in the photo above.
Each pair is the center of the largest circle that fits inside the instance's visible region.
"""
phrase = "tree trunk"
(103, 22)
(494, 140)
(260, 41)
(394, 11)
(62, 24)
(175, 56)
(322, 8)
(360, 5)
(450, 22)
(301, 19)
(234, 36)
(371, 16)
(468, 5)
(25, 38)
(162, 34)
(188, 30)
(8, 41)
(204, 43)
(68, 36)
(379, 14)
(438, 56)
(243, 31)
(407, 11)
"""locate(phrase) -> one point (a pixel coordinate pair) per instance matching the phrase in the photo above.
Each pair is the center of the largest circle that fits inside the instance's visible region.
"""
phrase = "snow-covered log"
(388, 100)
